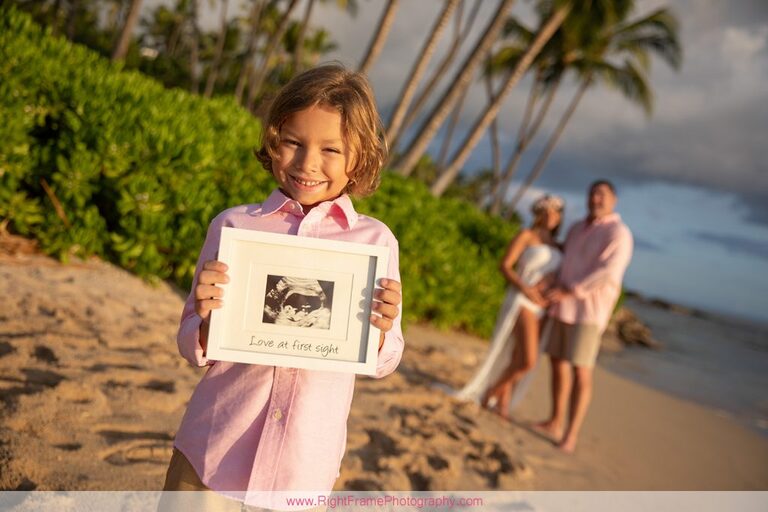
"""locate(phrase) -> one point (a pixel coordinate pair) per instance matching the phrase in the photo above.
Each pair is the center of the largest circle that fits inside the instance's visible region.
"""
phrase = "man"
(596, 253)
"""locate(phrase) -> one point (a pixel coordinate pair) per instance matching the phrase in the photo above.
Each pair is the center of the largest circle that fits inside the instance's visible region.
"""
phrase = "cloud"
(749, 246)
(642, 244)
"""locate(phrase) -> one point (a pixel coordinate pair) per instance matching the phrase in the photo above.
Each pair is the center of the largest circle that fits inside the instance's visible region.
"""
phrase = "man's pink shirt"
(266, 428)
(596, 256)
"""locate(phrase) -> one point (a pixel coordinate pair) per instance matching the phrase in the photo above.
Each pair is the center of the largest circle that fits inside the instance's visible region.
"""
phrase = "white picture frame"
(297, 302)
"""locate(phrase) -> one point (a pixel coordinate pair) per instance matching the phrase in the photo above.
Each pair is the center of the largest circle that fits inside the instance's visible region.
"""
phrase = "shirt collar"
(611, 217)
(340, 207)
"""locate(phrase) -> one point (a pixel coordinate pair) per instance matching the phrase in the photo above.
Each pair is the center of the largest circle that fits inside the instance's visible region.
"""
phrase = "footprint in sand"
(68, 447)
(103, 367)
(45, 355)
(165, 386)
(380, 445)
(490, 461)
(35, 381)
(6, 348)
(419, 482)
(363, 484)
(136, 447)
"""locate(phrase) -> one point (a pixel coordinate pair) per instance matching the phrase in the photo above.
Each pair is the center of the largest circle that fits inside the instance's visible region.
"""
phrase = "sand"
(92, 390)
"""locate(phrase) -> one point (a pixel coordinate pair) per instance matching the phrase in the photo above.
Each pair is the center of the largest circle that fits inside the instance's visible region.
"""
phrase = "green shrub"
(138, 172)
(449, 254)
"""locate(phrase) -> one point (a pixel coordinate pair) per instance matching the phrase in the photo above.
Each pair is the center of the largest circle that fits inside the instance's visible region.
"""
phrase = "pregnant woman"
(529, 266)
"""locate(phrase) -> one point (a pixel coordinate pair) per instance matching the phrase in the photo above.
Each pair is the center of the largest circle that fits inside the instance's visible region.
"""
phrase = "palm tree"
(453, 123)
(529, 127)
(260, 73)
(460, 35)
(213, 74)
(461, 81)
(617, 54)
(246, 64)
(298, 57)
(494, 136)
(126, 34)
(164, 28)
(377, 42)
(546, 80)
(194, 52)
(547, 30)
(418, 69)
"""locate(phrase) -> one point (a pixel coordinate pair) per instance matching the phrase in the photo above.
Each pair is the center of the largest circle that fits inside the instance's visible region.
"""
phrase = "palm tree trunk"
(213, 74)
(250, 49)
(378, 40)
(543, 35)
(494, 133)
(525, 136)
(483, 199)
(194, 53)
(261, 72)
(409, 89)
(551, 143)
(71, 24)
(428, 90)
(58, 16)
(452, 124)
(298, 53)
(127, 33)
(443, 107)
(173, 40)
(496, 190)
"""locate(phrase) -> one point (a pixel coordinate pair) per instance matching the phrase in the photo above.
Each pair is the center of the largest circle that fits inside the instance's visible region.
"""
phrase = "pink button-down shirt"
(595, 257)
(266, 428)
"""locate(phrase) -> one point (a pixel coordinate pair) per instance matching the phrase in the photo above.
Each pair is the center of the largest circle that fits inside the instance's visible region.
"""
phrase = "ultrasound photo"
(298, 302)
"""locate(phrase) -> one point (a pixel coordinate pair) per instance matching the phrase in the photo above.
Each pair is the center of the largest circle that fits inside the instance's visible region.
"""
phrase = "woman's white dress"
(534, 263)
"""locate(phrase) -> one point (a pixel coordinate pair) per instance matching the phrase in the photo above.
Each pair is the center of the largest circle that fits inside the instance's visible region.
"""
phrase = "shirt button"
(277, 415)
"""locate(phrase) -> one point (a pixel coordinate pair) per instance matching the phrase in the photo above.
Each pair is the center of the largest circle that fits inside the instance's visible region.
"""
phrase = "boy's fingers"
(218, 266)
(386, 310)
(207, 291)
(391, 284)
(204, 307)
(384, 324)
(388, 296)
(212, 277)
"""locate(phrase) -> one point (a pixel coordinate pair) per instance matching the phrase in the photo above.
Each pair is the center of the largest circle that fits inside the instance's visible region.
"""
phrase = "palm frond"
(504, 59)
(628, 79)
(515, 30)
(657, 32)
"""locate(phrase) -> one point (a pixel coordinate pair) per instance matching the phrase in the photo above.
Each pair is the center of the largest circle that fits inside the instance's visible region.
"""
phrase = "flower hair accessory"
(547, 202)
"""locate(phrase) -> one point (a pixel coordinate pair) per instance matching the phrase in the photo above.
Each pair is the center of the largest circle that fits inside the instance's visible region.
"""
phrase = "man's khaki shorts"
(576, 343)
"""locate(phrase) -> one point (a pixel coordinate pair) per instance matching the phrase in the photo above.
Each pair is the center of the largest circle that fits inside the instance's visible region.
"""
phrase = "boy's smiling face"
(313, 160)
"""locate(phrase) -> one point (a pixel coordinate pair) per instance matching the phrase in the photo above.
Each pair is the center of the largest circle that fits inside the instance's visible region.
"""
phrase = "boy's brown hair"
(348, 92)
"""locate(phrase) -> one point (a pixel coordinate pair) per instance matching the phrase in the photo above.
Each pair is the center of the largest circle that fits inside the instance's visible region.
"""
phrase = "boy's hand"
(207, 294)
(386, 300)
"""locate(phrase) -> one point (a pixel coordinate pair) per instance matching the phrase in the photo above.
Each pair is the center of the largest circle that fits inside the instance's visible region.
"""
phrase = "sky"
(692, 177)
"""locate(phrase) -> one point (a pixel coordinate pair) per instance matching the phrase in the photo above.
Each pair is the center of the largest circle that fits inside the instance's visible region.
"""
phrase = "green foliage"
(139, 171)
(449, 254)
